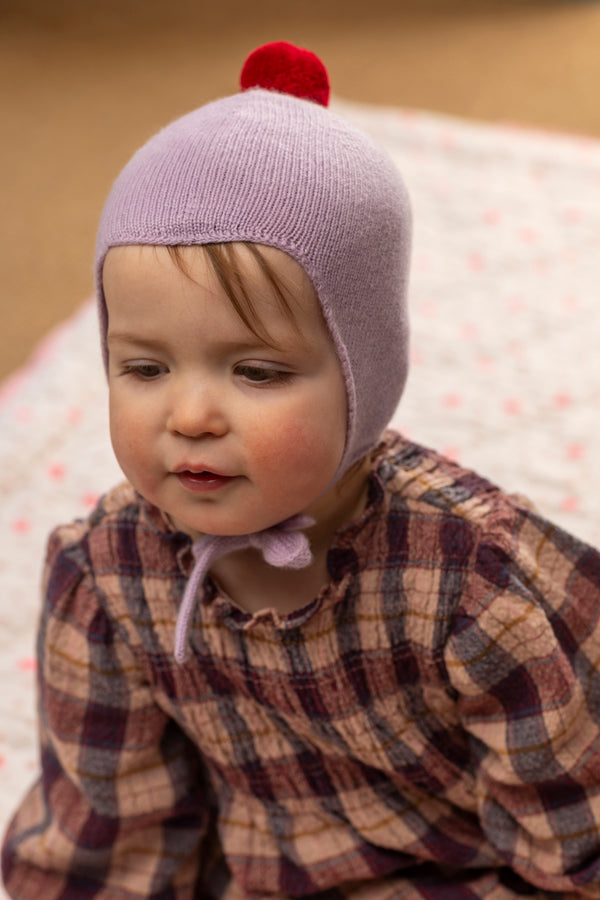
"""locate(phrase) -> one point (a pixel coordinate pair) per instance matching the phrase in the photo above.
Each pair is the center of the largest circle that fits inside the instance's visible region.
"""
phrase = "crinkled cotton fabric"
(429, 720)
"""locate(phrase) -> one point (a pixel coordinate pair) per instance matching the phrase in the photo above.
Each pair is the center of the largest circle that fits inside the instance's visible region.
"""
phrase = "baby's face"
(221, 431)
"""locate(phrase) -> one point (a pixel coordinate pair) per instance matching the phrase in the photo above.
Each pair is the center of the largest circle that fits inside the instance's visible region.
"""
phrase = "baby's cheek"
(296, 455)
(282, 442)
(128, 444)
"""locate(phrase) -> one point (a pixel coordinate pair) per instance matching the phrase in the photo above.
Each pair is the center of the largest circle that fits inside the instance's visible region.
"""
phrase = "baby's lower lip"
(203, 481)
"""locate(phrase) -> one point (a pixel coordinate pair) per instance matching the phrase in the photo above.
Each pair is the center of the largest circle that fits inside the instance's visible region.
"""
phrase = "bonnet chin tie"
(283, 546)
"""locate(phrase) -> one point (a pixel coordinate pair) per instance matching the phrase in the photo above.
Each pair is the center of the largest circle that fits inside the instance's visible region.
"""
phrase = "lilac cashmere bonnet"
(274, 169)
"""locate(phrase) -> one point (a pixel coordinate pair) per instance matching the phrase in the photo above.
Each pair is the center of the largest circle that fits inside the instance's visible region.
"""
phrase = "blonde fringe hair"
(224, 262)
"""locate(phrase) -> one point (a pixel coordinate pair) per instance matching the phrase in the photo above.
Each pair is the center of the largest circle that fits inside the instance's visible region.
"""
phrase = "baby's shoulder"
(453, 517)
(112, 564)
(115, 534)
(118, 505)
(430, 486)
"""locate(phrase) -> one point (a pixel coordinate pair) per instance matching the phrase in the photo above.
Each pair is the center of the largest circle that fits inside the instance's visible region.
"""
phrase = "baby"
(296, 655)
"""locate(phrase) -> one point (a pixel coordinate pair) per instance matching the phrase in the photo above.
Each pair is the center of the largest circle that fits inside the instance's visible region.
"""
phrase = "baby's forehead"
(270, 294)
(246, 261)
(241, 262)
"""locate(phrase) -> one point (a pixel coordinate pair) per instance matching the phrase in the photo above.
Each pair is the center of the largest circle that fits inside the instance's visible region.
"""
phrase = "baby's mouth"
(203, 481)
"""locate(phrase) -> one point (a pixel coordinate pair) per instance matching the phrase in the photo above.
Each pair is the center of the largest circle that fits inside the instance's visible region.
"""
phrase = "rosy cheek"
(294, 450)
(279, 440)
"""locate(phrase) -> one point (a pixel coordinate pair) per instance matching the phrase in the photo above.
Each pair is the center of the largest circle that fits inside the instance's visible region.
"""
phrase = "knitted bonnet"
(272, 165)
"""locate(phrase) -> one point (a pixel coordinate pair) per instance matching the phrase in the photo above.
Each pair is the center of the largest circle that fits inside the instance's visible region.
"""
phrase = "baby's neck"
(254, 585)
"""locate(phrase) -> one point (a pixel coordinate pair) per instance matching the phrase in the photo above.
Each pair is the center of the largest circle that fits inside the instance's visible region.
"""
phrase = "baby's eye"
(262, 374)
(146, 371)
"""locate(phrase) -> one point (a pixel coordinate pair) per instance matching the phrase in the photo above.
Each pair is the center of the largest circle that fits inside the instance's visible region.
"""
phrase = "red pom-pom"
(288, 69)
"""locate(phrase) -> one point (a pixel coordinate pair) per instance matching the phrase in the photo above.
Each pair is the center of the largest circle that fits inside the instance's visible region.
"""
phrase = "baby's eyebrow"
(128, 337)
(239, 344)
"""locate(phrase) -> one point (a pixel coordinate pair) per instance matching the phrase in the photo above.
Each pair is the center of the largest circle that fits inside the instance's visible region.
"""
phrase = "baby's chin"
(230, 530)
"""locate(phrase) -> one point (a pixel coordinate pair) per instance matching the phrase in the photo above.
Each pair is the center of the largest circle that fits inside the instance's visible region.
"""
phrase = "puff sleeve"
(120, 810)
(523, 659)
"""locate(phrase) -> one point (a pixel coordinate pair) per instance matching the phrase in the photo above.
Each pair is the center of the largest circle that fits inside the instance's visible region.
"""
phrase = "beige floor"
(85, 83)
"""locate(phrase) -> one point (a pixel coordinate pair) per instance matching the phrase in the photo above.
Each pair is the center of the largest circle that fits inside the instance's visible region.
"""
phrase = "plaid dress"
(427, 727)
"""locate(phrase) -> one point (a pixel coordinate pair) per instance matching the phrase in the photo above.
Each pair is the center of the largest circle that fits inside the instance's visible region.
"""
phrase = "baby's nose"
(196, 410)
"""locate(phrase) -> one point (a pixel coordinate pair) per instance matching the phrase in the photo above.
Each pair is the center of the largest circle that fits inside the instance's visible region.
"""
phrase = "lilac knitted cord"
(283, 546)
